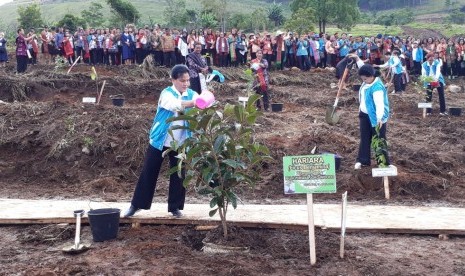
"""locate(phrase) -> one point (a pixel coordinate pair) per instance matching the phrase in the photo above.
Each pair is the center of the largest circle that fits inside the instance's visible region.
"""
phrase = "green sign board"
(309, 174)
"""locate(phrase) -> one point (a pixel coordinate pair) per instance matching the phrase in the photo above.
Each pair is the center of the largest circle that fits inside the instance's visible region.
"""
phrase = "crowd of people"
(130, 45)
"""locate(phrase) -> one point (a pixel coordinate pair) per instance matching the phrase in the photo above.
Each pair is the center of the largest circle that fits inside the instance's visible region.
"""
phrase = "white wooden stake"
(311, 229)
(386, 187)
(343, 223)
(101, 92)
(74, 63)
(424, 113)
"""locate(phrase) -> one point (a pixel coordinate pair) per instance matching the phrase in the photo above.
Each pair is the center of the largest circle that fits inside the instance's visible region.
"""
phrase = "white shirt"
(173, 103)
(414, 54)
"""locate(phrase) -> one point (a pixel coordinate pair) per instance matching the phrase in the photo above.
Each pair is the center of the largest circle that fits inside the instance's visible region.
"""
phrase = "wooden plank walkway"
(385, 219)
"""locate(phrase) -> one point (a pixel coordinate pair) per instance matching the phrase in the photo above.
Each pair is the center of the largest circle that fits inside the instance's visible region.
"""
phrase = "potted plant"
(222, 155)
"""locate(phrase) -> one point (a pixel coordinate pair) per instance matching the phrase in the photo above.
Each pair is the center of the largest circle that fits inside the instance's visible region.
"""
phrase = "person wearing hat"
(432, 68)
(417, 57)
(174, 101)
(373, 114)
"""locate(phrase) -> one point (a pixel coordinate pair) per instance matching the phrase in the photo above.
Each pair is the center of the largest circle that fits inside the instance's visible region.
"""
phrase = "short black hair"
(351, 51)
(366, 70)
(178, 71)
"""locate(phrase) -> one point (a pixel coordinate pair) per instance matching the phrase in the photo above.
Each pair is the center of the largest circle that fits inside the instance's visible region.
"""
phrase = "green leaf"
(234, 164)
(213, 202)
(219, 142)
(205, 191)
(233, 199)
(212, 212)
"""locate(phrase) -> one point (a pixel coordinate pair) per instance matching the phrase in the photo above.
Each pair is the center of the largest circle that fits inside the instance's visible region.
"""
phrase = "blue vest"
(435, 67)
(370, 103)
(398, 68)
(419, 56)
(159, 130)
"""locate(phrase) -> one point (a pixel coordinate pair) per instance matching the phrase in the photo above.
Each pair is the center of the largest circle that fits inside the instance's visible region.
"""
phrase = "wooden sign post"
(343, 223)
(309, 174)
(425, 106)
(384, 173)
(243, 100)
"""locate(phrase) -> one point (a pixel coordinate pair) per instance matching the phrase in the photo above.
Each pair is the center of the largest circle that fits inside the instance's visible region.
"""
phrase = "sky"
(5, 1)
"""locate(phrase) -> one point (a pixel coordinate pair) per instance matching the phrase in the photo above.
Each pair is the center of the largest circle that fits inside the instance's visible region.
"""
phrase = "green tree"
(71, 22)
(175, 13)
(94, 15)
(218, 8)
(344, 13)
(302, 21)
(30, 16)
(275, 14)
(296, 5)
(456, 17)
(221, 156)
(125, 10)
(208, 20)
(241, 21)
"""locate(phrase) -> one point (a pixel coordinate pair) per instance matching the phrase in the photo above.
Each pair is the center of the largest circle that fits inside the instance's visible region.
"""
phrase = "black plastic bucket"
(455, 111)
(104, 223)
(276, 107)
(118, 101)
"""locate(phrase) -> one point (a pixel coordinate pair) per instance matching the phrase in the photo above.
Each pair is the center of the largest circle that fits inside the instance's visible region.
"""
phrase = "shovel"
(332, 117)
(77, 247)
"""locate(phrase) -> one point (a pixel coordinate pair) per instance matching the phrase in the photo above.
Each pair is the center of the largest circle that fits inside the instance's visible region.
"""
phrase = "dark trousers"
(442, 99)
(21, 63)
(304, 62)
(147, 183)
(195, 85)
(366, 133)
(398, 82)
(416, 68)
(223, 59)
(265, 99)
(169, 59)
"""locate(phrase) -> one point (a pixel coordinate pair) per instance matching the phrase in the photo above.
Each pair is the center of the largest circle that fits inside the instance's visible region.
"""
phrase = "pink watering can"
(205, 99)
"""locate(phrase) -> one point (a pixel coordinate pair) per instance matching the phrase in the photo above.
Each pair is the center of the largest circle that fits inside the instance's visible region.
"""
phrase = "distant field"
(53, 12)
(367, 30)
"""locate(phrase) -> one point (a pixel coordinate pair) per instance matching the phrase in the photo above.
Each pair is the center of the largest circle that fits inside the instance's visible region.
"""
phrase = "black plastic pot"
(455, 111)
(118, 101)
(337, 160)
(104, 223)
(277, 107)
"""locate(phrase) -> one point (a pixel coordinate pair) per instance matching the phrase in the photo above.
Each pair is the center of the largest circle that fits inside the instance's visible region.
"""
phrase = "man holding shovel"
(346, 63)
(373, 114)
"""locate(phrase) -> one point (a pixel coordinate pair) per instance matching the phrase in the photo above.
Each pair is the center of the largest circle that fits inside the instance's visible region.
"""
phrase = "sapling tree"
(222, 155)
(380, 147)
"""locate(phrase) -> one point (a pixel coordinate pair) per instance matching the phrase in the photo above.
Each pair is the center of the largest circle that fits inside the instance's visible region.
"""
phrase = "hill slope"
(151, 10)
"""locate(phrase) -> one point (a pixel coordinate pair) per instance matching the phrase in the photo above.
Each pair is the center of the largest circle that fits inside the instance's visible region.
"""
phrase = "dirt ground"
(44, 128)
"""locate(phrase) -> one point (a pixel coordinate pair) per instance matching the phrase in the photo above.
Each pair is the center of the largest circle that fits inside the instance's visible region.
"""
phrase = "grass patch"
(367, 30)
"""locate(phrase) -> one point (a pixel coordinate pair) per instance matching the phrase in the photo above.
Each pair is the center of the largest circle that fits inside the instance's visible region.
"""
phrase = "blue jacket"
(344, 47)
(370, 103)
(435, 67)
(419, 56)
(159, 130)
(302, 48)
(398, 68)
